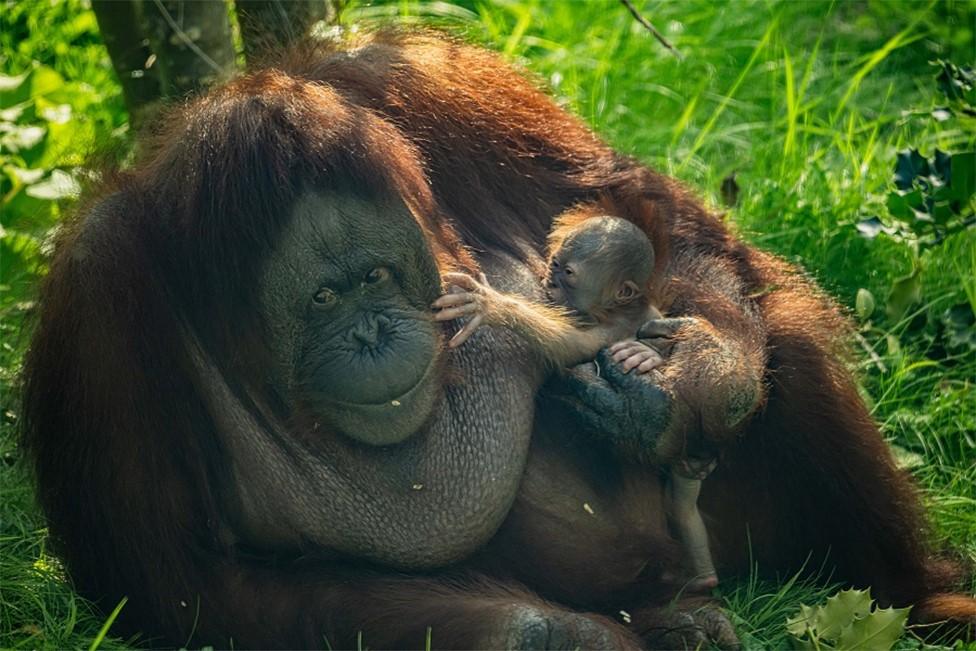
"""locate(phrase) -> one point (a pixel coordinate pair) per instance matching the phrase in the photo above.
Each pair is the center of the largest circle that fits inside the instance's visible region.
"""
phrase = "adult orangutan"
(243, 416)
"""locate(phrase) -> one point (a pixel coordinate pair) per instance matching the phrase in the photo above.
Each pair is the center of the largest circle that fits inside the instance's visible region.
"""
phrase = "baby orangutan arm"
(553, 332)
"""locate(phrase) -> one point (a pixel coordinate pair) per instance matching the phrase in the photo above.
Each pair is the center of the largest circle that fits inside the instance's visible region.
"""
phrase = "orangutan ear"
(628, 292)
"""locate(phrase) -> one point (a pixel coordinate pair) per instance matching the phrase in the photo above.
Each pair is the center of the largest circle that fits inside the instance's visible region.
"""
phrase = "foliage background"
(807, 103)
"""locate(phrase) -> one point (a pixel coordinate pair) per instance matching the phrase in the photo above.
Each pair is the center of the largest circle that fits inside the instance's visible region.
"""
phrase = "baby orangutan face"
(596, 268)
(583, 287)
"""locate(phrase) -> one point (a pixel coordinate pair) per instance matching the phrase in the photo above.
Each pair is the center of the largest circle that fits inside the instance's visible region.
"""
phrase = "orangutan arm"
(550, 331)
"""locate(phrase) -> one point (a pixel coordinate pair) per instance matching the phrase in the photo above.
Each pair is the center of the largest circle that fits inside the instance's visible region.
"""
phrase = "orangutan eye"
(325, 297)
(377, 275)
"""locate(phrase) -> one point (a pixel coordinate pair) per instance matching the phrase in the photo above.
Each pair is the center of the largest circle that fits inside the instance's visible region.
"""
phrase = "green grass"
(806, 102)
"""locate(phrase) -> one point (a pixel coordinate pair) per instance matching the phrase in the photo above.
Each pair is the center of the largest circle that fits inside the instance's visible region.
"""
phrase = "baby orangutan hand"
(654, 345)
(466, 297)
(636, 354)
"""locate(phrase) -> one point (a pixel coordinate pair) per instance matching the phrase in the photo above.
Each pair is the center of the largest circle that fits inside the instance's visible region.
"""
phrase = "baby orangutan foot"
(702, 584)
(636, 354)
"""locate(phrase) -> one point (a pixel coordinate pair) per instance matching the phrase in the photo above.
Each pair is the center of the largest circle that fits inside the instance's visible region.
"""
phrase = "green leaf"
(905, 292)
(909, 165)
(872, 226)
(20, 138)
(840, 610)
(24, 176)
(959, 323)
(18, 249)
(44, 80)
(37, 82)
(955, 82)
(11, 114)
(864, 303)
(963, 175)
(59, 114)
(876, 631)
(801, 623)
(13, 90)
(846, 622)
(59, 185)
(10, 83)
(898, 206)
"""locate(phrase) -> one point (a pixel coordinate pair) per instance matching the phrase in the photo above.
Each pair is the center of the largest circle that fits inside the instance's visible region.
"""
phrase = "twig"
(186, 39)
(866, 345)
(653, 30)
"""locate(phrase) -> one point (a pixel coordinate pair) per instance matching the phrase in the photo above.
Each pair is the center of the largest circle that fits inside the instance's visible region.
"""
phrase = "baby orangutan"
(598, 274)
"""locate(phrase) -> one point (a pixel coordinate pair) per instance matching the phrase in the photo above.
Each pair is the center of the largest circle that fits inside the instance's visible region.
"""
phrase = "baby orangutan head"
(600, 265)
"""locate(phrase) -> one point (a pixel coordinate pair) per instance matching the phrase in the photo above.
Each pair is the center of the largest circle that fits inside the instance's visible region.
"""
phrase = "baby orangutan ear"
(628, 292)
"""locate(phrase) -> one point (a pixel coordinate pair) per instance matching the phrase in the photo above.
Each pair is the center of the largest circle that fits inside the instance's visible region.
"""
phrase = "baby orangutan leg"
(636, 354)
(686, 479)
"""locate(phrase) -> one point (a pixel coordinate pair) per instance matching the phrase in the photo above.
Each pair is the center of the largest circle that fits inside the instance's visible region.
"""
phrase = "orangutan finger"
(450, 300)
(457, 312)
(461, 280)
(650, 363)
(635, 360)
(620, 345)
(464, 333)
(623, 353)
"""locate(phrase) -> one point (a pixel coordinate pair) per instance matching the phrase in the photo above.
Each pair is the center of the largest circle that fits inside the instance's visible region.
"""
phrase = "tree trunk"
(268, 26)
(128, 47)
(192, 43)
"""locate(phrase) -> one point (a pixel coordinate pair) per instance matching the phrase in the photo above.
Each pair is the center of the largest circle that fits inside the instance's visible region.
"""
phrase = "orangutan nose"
(371, 330)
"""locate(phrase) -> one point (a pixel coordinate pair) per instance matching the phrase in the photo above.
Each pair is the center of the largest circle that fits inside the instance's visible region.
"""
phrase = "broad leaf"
(20, 138)
(864, 303)
(872, 226)
(846, 622)
(905, 292)
(909, 165)
(963, 175)
(60, 185)
(876, 631)
(839, 610)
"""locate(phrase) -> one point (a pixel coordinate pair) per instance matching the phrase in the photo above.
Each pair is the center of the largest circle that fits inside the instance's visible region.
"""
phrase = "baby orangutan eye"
(377, 275)
(325, 297)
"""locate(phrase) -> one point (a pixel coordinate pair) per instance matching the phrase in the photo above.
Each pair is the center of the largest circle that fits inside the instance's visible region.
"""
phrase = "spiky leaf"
(877, 631)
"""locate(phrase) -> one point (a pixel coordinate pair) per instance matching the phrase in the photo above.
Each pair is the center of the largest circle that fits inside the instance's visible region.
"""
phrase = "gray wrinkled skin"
(443, 485)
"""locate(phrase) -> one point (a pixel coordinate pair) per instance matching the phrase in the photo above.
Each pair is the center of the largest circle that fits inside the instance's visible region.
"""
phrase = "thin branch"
(653, 30)
(186, 39)
(869, 349)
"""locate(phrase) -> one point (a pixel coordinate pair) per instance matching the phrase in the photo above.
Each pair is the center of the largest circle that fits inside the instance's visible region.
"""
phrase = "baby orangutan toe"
(702, 584)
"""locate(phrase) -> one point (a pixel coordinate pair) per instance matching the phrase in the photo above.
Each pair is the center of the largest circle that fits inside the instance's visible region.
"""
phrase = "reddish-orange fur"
(125, 452)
